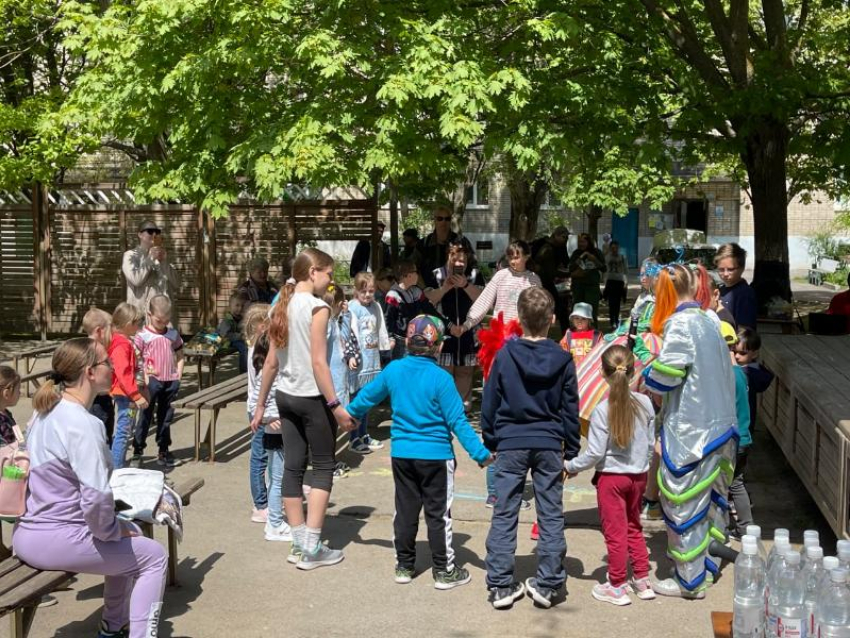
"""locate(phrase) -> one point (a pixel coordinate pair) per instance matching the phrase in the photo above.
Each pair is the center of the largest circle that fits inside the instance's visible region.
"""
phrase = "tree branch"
(774, 24)
(686, 42)
(802, 21)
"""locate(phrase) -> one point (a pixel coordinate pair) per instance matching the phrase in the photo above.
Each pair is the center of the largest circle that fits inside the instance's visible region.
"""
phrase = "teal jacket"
(742, 407)
(427, 410)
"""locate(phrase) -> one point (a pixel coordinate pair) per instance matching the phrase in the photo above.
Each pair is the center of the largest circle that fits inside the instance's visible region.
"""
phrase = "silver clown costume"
(699, 439)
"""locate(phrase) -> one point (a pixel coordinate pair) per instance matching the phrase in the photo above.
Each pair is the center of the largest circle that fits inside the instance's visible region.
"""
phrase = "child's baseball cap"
(583, 310)
(728, 333)
(424, 335)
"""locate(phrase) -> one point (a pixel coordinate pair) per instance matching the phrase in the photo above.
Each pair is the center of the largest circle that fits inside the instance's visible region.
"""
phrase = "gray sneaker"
(504, 597)
(322, 557)
(294, 554)
(449, 580)
(542, 596)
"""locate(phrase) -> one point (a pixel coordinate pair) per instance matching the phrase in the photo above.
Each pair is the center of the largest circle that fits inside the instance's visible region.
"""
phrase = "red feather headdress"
(493, 337)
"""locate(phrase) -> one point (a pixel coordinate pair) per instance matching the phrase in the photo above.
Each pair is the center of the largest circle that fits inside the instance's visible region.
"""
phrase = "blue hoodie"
(427, 410)
(531, 399)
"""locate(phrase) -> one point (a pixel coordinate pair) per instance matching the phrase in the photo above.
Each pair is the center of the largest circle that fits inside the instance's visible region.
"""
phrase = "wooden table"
(807, 410)
(30, 354)
(212, 358)
(721, 623)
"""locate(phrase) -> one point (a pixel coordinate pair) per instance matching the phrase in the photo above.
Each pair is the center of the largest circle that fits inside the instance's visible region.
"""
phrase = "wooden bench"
(213, 399)
(36, 378)
(807, 410)
(825, 267)
(22, 587)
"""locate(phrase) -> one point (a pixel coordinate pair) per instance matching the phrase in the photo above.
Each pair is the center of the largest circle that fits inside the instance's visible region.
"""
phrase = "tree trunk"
(594, 214)
(765, 156)
(393, 223)
(527, 195)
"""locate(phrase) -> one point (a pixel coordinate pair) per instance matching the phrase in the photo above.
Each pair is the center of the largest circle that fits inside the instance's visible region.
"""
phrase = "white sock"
(312, 538)
(298, 533)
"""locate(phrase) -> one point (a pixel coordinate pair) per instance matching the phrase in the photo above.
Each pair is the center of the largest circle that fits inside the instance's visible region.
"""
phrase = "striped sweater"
(501, 294)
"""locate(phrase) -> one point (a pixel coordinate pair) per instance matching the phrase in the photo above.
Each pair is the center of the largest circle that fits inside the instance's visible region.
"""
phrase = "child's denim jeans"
(257, 465)
(125, 421)
(275, 487)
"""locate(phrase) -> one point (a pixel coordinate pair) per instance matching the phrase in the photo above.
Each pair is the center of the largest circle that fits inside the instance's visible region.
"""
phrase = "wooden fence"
(61, 250)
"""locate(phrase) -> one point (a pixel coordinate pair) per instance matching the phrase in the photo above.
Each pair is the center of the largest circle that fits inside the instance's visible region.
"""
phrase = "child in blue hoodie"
(427, 411)
(529, 417)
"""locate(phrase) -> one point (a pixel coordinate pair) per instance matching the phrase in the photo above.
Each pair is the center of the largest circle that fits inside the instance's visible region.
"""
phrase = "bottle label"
(792, 627)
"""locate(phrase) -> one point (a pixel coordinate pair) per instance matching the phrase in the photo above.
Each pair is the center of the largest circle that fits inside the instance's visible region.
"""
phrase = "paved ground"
(236, 584)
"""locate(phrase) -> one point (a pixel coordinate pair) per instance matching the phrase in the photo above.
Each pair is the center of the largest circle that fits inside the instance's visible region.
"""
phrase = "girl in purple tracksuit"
(70, 523)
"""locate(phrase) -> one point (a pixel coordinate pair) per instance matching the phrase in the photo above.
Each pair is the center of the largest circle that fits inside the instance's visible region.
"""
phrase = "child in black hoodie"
(529, 417)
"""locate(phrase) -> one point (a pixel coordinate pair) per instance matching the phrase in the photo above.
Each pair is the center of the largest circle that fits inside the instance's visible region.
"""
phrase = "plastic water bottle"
(812, 572)
(780, 534)
(810, 539)
(844, 554)
(791, 621)
(828, 564)
(811, 535)
(781, 547)
(755, 530)
(748, 608)
(833, 608)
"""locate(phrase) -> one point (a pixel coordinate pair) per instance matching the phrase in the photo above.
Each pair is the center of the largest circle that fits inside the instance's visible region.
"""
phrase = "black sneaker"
(449, 580)
(542, 596)
(135, 461)
(505, 597)
(166, 459)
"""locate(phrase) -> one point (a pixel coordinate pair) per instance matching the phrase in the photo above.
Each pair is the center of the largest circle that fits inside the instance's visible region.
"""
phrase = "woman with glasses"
(147, 270)
(70, 523)
(435, 247)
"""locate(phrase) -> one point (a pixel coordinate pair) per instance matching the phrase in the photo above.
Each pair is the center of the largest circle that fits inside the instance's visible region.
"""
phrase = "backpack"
(14, 477)
(537, 245)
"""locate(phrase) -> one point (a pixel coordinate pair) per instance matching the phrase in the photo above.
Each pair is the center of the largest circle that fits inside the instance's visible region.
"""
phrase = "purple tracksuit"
(70, 522)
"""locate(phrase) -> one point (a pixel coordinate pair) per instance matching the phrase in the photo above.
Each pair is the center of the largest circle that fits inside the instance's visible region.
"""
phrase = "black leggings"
(309, 430)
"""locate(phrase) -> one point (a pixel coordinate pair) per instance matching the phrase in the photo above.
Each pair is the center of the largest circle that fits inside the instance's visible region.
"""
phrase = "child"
(529, 417)
(161, 348)
(97, 324)
(736, 293)
(758, 377)
(503, 290)
(427, 411)
(230, 328)
(620, 445)
(343, 353)
(581, 338)
(127, 390)
(405, 300)
(715, 287)
(267, 440)
(10, 393)
(384, 282)
(370, 330)
(698, 433)
(737, 490)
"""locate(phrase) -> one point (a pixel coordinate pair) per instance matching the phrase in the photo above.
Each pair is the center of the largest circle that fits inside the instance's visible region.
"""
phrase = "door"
(624, 230)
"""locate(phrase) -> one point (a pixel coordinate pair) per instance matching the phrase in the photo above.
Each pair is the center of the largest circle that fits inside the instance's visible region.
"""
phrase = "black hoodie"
(531, 399)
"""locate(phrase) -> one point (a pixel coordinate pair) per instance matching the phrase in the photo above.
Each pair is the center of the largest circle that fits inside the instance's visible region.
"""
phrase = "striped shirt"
(501, 294)
(159, 352)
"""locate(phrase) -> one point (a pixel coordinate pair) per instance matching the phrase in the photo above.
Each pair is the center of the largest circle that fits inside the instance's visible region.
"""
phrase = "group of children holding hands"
(314, 364)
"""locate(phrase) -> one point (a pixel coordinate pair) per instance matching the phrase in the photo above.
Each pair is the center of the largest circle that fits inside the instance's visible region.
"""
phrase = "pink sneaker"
(259, 516)
(607, 593)
(642, 588)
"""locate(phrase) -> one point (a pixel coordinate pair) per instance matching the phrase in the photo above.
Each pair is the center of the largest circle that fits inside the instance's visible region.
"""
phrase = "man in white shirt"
(147, 270)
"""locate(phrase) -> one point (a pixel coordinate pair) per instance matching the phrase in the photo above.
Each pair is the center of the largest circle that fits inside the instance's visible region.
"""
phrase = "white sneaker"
(360, 448)
(281, 533)
(373, 444)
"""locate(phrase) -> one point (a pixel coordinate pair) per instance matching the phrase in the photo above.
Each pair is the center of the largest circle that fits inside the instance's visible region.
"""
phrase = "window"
(552, 201)
(478, 195)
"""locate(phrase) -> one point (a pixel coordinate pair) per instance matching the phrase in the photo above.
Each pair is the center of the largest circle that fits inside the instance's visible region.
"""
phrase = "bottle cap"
(830, 563)
(838, 575)
(754, 530)
(781, 532)
(792, 558)
(840, 544)
(844, 554)
(749, 545)
(783, 545)
(814, 553)
(811, 533)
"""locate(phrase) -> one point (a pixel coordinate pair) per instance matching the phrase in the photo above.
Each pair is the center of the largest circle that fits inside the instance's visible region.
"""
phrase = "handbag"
(14, 477)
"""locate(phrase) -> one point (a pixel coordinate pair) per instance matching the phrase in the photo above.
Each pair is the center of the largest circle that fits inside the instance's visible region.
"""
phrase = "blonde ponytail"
(69, 363)
(618, 366)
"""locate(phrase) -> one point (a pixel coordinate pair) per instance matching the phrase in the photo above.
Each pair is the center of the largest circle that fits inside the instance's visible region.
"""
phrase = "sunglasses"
(440, 218)
(152, 231)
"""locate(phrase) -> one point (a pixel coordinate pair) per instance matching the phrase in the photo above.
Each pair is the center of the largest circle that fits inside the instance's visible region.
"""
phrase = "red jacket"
(122, 353)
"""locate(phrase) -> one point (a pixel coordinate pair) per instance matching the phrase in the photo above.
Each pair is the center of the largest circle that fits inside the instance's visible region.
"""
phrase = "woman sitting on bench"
(70, 523)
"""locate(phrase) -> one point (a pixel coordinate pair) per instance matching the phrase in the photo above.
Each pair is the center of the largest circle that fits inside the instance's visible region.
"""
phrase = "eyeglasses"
(152, 231)
(105, 362)
(441, 218)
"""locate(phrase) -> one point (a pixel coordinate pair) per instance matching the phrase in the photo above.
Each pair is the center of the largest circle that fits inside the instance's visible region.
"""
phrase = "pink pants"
(134, 568)
(619, 497)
